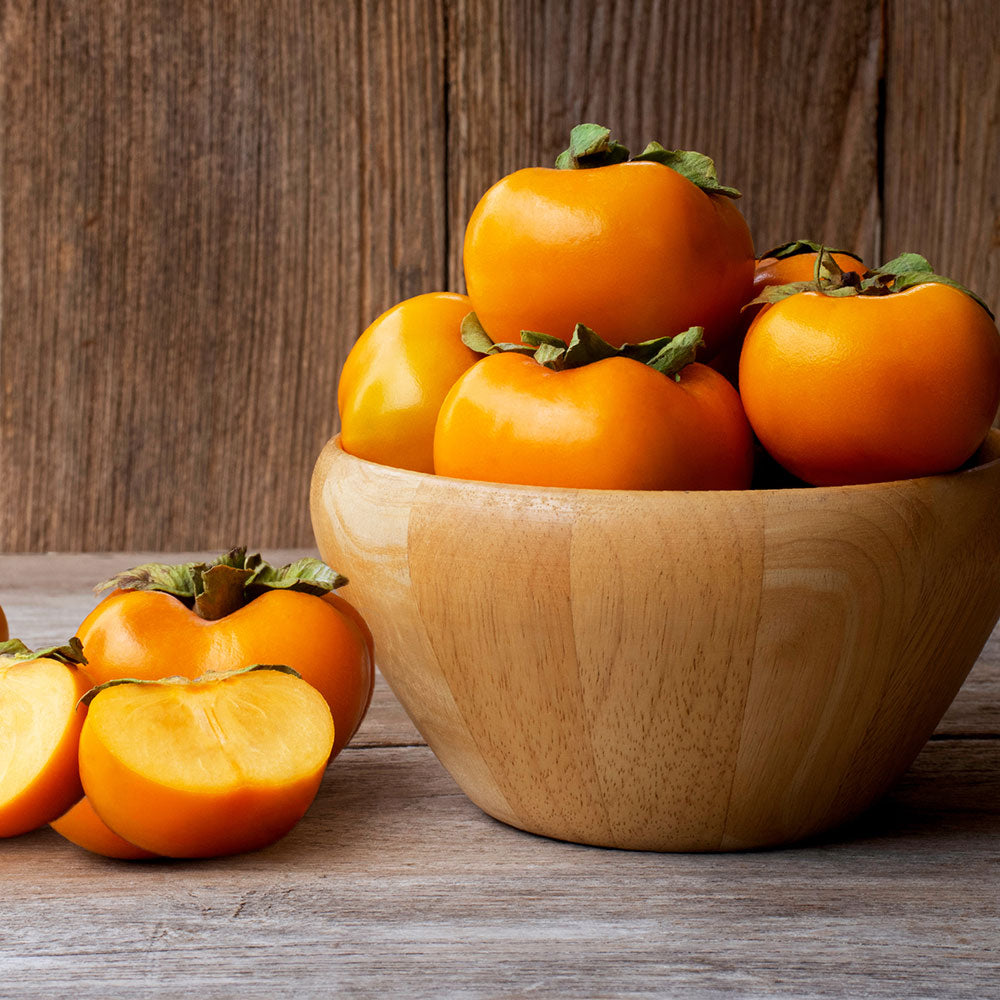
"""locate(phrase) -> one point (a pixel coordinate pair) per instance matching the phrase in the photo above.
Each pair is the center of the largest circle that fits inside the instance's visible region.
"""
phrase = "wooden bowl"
(669, 671)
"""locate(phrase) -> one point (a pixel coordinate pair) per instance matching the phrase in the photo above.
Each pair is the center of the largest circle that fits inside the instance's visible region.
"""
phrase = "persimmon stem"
(218, 588)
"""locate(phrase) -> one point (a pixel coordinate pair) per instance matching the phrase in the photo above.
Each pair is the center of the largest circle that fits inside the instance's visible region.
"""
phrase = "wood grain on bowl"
(669, 671)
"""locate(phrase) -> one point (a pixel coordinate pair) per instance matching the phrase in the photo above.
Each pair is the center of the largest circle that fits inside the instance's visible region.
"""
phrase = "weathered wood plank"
(394, 883)
(941, 128)
(202, 206)
(394, 877)
(784, 97)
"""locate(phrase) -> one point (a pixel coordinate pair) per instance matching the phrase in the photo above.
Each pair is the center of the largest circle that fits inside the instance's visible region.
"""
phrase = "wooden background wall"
(202, 203)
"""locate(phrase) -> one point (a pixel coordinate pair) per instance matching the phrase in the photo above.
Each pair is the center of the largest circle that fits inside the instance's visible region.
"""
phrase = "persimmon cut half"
(83, 827)
(39, 733)
(218, 765)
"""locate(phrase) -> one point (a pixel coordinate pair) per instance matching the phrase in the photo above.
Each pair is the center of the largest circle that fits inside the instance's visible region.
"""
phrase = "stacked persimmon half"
(193, 715)
(619, 333)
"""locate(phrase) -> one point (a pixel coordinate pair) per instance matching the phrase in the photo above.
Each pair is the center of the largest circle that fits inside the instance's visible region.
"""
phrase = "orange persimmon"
(201, 617)
(201, 768)
(587, 416)
(40, 722)
(857, 380)
(794, 261)
(635, 250)
(83, 827)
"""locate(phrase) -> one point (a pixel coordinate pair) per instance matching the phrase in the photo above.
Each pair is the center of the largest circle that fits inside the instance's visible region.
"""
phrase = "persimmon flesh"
(39, 733)
(203, 768)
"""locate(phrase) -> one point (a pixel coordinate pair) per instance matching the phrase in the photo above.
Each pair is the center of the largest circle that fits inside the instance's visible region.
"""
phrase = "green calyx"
(591, 146)
(795, 248)
(180, 681)
(668, 355)
(905, 271)
(15, 651)
(218, 588)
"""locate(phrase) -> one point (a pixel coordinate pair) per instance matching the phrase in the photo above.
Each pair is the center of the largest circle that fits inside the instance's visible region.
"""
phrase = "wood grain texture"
(202, 206)
(782, 96)
(395, 883)
(669, 671)
(942, 138)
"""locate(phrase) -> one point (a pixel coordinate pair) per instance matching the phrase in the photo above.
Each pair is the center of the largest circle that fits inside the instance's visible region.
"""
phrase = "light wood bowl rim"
(989, 451)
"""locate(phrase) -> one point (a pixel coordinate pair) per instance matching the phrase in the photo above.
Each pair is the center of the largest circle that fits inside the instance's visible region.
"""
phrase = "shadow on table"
(952, 787)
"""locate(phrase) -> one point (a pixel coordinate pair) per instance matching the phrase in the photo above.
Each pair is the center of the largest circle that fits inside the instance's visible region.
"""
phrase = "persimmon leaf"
(679, 352)
(590, 145)
(71, 652)
(696, 167)
(796, 247)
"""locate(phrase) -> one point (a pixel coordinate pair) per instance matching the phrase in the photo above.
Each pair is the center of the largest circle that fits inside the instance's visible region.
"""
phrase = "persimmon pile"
(620, 333)
(192, 716)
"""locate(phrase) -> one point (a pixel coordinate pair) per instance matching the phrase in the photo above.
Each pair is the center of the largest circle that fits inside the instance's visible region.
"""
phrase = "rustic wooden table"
(396, 885)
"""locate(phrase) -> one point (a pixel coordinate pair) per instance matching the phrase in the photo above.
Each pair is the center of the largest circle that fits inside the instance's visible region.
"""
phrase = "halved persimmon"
(83, 827)
(200, 768)
(40, 726)
(236, 610)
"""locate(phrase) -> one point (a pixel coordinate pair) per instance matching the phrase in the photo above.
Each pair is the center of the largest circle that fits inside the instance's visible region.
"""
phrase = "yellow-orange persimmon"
(635, 250)
(859, 380)
(40, 729)
(200, 768)
(236, 611)
(396, 377)
(82, 826)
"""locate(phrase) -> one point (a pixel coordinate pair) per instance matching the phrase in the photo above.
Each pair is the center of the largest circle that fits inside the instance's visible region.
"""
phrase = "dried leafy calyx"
(902, 272)
(796, 247)
(218, 588)
(13, 650)
(591, 145)
(179, 681)
(668, 355)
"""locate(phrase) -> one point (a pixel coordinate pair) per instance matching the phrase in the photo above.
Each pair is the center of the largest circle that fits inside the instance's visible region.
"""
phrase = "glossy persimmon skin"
(396, 377)
(634, 251)
(870, 389)
(770, 271)
(206, 769)
(40, 721)
(82, 826)
(614, 424)
(148, 634)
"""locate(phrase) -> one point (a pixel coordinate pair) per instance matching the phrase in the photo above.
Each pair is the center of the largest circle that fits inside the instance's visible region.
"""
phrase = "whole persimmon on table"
(395, 884)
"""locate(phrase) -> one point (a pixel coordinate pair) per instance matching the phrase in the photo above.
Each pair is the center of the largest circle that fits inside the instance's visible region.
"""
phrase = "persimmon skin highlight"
(633, 250)
(855, 389)
(206, 768)
(611, 424)
(147, 634)
(41, 723)
(84, 828)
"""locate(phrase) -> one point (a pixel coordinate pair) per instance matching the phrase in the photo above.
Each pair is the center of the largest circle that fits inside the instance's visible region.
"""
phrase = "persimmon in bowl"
(672, 671)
